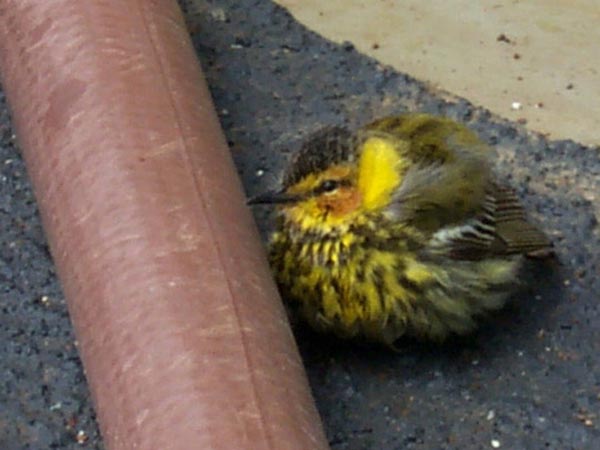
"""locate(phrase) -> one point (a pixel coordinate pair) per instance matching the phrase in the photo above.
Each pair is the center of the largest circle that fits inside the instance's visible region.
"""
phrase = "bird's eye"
(329, 185)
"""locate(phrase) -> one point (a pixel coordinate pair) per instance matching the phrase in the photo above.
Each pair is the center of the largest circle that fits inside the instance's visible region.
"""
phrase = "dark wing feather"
(500, 229)
(447, 194)
(514, 234)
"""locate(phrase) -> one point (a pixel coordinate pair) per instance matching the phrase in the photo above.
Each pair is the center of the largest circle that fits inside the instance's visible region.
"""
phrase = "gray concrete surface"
(530, 379)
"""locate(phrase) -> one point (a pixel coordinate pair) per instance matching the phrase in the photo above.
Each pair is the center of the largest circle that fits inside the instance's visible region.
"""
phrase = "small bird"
(399, 228)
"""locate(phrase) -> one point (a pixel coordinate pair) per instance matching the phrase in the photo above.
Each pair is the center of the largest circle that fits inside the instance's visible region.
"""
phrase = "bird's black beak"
(272, 197)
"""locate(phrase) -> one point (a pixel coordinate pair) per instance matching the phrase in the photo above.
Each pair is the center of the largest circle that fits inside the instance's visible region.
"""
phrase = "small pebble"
(516, 106)
(541, 332)
(495, 443)
(503, 38)
(81, 437)
(219, 14)
(56, 406)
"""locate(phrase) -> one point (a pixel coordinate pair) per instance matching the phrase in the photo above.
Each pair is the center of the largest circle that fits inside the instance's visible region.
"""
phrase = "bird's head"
(336, 180)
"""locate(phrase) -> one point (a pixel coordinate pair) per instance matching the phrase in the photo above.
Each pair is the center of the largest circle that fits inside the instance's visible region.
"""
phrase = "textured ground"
(540, 53)
(529, 380)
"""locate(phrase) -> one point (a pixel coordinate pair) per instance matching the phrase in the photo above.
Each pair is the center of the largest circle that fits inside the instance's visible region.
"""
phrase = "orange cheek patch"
(342, 203)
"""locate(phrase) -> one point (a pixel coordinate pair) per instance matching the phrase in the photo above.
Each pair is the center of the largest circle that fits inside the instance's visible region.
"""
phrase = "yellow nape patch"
(378, 172)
